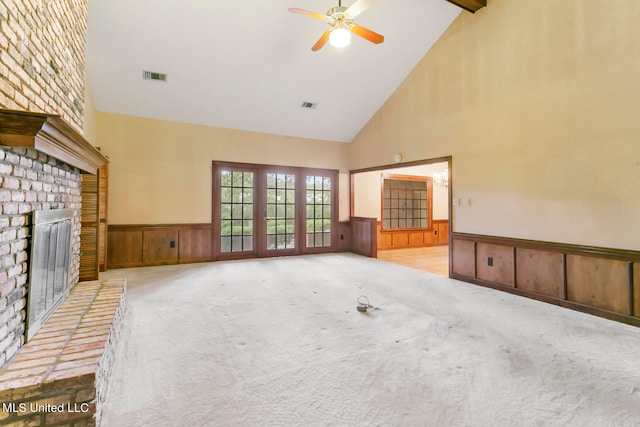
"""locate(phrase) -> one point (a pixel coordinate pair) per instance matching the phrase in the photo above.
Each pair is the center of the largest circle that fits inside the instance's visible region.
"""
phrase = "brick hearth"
(60, 377)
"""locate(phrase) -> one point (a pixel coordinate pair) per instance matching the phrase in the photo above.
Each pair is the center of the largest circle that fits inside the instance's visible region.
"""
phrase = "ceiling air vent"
(310, 105)
(151, 75)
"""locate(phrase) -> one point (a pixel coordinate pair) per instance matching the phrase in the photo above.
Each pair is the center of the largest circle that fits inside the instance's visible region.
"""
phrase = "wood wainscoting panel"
(416, 238)
(636, 289)
(430, 238)
(500, 257)
(400, 240)
(124, 248)
(364, 239)
(442, 227)
(344, 236)
(598, 282)
(540, 272)
(143, 245)
(195, 244)
(160, 246)
(385, 241)
(463, 256)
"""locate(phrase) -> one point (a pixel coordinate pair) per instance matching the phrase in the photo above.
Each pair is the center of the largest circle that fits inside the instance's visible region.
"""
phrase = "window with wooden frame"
(269, 210)
(407, 202)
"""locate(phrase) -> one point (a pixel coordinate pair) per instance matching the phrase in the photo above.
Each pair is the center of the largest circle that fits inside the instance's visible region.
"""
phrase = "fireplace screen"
(49, 265)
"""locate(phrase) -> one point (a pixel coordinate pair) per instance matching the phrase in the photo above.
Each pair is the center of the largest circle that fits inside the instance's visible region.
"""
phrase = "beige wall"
(366, 186)
(160, 172)
(538, 103)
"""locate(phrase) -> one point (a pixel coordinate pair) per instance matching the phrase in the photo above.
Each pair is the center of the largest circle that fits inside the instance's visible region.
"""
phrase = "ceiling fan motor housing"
(338, 16)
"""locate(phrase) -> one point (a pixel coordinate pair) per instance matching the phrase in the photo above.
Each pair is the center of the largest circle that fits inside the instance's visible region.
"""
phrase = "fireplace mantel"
(49, 134)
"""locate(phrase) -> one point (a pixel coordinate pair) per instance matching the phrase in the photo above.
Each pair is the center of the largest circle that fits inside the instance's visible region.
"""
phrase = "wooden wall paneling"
(601, 281)
(344, 236)
(630, 290)
(159, 246)
(400, 240)
(598, 282)
(502, 270)
(463, 256)
(384, 239)
(443, 231)
(124, 248)
(364, 236)
(564, 276)
(430, 238)
(407, 238)
(140, 245)
(385, 242)
(416, 238)
(194, 244)
(541, 272)
(636, 289)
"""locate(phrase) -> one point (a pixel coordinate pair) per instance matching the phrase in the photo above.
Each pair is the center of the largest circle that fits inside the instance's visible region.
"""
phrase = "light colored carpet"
(279, 342)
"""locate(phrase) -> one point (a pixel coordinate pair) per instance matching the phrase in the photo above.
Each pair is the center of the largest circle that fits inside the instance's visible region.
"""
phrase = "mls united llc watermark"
(44, 408)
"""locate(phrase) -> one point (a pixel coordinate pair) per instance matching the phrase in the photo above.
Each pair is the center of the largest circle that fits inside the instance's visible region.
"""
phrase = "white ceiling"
(248, 64)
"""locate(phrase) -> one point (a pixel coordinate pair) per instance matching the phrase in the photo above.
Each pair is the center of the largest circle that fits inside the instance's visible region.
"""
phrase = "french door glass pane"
(236, 211)
(318, 219)
(280, 211)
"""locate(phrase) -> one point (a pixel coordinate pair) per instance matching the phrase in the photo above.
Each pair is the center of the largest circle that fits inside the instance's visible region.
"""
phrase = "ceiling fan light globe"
(340, 37)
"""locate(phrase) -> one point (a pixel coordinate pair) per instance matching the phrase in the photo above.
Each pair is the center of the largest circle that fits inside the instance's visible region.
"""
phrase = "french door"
(262, 210)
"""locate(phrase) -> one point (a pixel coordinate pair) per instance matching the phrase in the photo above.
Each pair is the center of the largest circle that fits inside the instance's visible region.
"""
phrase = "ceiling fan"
(340, 19)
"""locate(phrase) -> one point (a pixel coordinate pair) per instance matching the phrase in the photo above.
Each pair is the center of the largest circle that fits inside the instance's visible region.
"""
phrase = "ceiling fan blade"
(322, 40)
(358, 7)
(308, 13)
(366, 33)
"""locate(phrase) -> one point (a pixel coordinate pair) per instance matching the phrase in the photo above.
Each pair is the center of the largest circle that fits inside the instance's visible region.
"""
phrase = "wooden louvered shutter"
(94, 225)
(89, 230)
(103, 187)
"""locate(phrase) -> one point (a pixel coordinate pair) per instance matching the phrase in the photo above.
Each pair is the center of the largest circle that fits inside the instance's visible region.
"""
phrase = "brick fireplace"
(66, 362)
(30, 181)
(41, 162)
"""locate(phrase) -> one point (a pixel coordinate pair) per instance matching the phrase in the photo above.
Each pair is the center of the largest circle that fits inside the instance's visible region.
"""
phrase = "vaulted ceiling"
(248, 64)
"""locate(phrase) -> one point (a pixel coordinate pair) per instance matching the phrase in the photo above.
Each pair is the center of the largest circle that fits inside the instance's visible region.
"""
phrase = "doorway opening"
(411, 203)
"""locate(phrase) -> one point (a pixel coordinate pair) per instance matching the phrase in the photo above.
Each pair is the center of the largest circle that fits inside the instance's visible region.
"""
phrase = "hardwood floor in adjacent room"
(434, 259)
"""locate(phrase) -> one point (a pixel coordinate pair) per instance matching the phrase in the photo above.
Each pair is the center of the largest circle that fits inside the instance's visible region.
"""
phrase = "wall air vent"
(151, 75)
(310, 105)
